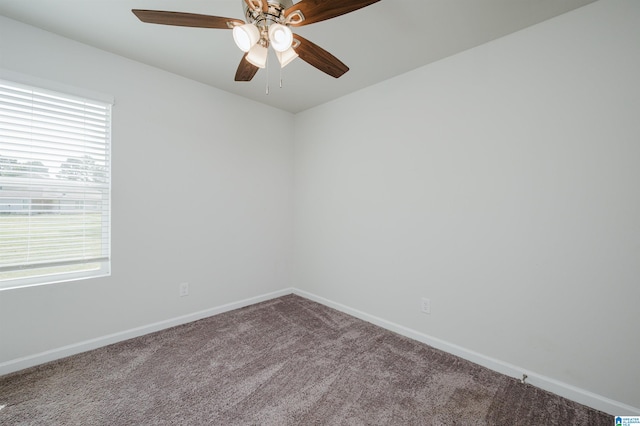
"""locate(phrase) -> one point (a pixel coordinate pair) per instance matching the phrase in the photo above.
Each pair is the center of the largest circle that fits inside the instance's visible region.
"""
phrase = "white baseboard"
(559, 388)
(564, 390)
(87, 345)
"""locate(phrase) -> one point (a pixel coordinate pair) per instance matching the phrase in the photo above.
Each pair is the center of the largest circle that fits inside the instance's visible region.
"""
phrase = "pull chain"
(267, 67)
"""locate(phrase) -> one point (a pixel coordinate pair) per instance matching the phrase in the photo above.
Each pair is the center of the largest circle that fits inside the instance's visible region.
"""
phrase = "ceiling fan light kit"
(246, 36)
(257, 56)
(280, 37)
(267, 24)
(286, 57)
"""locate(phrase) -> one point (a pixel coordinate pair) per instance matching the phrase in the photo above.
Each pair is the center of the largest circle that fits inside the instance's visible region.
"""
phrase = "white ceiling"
(380, 41)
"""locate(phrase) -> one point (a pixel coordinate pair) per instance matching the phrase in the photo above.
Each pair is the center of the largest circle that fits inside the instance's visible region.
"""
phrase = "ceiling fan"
(268, 24)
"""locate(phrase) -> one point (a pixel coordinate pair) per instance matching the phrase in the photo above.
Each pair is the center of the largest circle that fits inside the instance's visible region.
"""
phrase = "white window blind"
(54, 186)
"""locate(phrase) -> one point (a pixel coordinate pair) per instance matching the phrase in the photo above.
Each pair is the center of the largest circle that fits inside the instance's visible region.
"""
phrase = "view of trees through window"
(84, 169)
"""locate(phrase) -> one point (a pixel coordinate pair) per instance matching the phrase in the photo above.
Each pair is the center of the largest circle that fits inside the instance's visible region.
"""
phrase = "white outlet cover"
(425, 305)
(184, 289)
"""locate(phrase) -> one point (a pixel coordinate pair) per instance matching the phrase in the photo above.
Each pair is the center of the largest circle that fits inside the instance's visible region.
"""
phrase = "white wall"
(195, 198)
(502, 183)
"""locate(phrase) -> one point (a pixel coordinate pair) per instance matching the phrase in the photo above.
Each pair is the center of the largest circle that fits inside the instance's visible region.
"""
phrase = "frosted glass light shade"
(280, 37)
(246, 36)
(286, 57)
(257, 56)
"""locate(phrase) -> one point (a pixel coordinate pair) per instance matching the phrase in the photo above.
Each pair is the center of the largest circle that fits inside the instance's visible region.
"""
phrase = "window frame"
(103, 265)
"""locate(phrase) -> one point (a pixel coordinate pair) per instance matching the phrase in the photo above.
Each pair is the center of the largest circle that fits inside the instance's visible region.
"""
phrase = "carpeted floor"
(287, 361)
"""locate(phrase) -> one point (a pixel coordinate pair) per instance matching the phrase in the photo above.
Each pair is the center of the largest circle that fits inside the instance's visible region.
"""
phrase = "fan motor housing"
(274, 14)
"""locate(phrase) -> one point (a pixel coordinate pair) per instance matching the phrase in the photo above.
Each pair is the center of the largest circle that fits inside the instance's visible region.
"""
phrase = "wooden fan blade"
(320, 10)
(185, 19)
(246, 70)
(319, 58)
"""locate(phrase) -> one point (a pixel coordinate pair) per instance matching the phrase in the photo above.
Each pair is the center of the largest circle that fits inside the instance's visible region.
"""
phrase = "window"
(55, 184)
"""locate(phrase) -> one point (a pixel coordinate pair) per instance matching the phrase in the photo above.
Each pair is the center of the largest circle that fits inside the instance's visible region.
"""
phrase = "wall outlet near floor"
(183, 289)
(425, 305)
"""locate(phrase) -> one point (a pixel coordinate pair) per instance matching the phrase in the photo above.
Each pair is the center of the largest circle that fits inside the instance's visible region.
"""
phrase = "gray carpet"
(287, 361)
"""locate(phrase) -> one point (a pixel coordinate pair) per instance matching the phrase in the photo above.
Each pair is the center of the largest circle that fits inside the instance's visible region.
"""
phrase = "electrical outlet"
(183, 289)
(425, 305)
